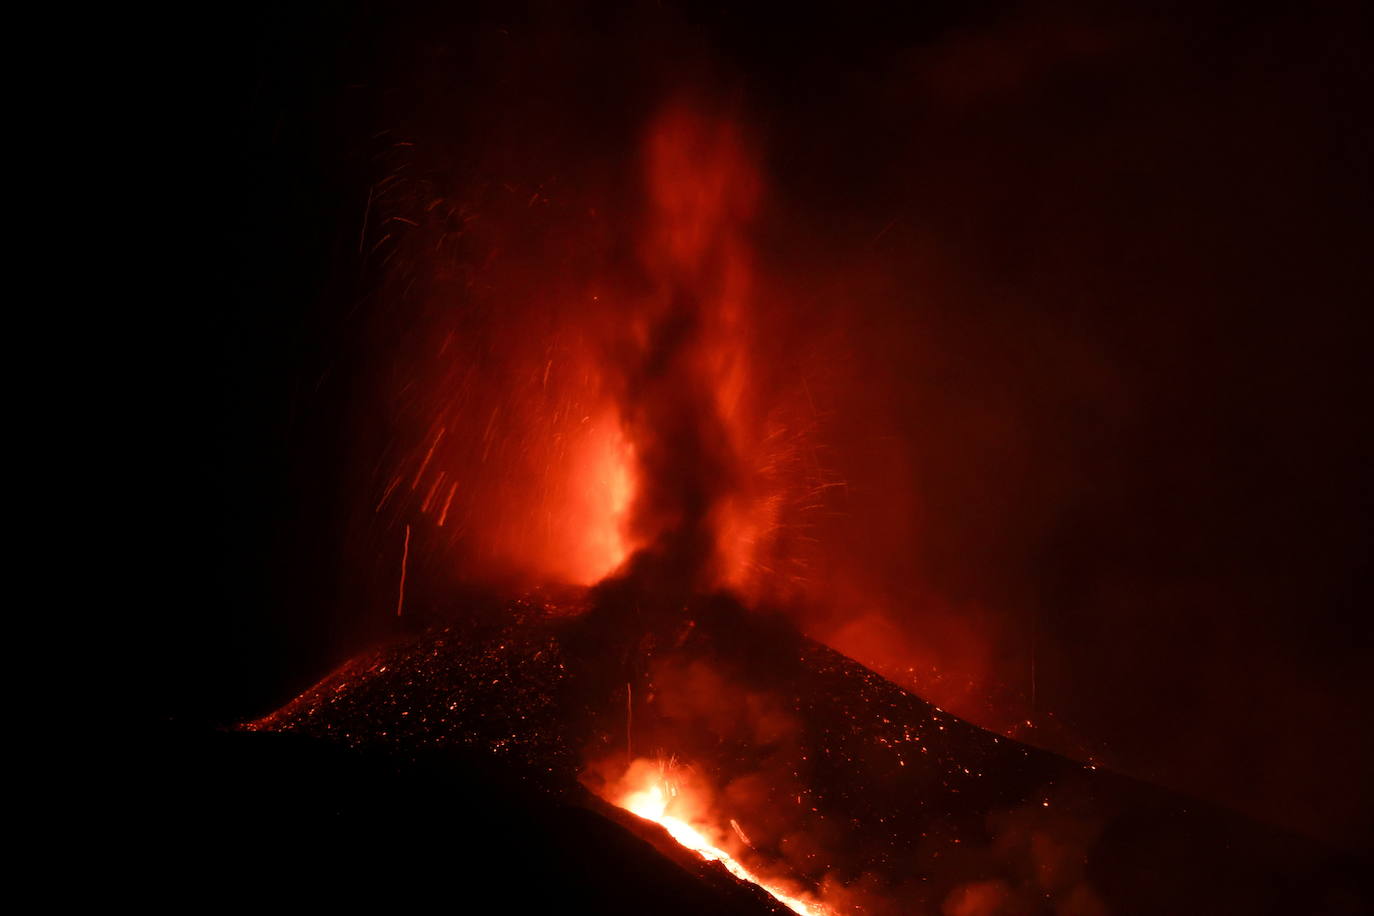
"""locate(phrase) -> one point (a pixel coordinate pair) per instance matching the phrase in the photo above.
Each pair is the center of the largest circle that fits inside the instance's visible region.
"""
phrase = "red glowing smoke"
(631, 406)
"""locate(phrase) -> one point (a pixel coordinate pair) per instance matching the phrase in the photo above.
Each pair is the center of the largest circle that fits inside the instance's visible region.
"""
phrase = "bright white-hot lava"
(652, 796)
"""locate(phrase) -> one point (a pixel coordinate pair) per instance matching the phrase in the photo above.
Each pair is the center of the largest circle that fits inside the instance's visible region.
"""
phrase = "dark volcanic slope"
(493, 684)
(234, 818)
(844, 783)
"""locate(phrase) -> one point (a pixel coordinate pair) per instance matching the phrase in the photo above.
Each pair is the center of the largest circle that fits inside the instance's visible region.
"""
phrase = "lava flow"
(650, 792)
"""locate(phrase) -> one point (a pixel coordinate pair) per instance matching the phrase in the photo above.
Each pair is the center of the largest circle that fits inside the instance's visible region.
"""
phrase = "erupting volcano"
(641, 455)
(667, 458)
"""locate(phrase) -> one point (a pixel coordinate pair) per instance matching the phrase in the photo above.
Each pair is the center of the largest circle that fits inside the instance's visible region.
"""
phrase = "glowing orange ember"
(648, 792)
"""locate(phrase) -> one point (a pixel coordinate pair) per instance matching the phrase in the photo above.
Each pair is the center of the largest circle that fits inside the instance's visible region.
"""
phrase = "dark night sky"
(1106, 277)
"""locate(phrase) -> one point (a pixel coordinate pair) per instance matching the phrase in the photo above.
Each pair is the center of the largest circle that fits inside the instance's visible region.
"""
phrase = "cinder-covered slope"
(818, 771)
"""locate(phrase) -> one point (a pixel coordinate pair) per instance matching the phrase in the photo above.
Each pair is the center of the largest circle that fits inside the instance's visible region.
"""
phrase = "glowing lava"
(651, 795)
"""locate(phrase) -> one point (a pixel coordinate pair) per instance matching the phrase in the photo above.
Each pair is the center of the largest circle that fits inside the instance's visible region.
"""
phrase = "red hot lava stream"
(650, 792)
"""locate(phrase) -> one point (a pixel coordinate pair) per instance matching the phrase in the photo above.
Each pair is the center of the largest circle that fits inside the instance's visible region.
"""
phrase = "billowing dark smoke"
(701, 192)
(683, 460)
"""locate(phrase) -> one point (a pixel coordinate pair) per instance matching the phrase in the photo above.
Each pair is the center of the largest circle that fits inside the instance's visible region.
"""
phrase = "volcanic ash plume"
(684, 396)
